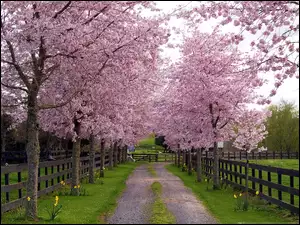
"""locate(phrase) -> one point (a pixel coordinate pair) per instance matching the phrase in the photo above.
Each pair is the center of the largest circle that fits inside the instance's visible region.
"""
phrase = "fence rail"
(278, 186)
(153, 157)
(50, 174)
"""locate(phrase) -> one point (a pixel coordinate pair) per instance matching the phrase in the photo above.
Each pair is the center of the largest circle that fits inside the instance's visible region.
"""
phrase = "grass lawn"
(160, 213)
(221, 204)
(282, 163)
(93, 208)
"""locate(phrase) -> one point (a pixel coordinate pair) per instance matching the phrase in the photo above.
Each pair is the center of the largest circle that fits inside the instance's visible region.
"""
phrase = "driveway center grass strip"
(160, 213)
(221, 204)
(151, 170)
(91, 209)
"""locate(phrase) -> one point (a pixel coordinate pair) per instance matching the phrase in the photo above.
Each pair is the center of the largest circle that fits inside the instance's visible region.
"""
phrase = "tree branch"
(17, 67)
(62, 10)
(14, 87)
(94, 16)
(51, 106)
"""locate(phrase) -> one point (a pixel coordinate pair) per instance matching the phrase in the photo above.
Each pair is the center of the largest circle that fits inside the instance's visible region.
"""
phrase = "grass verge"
(91, 209)
(160, 213)
(221, 204)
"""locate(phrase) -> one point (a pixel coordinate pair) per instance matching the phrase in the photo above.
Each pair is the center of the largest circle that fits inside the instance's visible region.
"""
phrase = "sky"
(289, 90)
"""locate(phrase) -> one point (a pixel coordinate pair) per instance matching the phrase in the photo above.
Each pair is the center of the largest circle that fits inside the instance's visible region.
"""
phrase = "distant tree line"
(283, 127)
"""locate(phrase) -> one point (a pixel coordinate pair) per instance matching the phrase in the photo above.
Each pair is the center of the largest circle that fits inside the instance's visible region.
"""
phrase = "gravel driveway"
(134, 204)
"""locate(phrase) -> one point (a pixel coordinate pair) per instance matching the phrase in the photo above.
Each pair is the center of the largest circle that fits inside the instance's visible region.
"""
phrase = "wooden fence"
(276, 185)
(241, 155)
(153, 157)
(50, 174)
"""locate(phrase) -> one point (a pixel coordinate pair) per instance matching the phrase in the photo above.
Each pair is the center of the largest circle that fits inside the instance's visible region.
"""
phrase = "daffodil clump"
(64, 190)
(82, 191)
(241, 202)
(55, 209)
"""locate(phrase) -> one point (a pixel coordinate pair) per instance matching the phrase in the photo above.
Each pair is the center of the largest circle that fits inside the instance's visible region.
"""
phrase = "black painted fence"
(277, 186)
(51, 173)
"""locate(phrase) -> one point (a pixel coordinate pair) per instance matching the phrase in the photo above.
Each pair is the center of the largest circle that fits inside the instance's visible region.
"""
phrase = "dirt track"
(134, 204)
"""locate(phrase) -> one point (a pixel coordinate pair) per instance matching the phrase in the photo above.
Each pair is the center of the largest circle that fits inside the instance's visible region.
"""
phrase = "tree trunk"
(3, 134)
(178, 158)
(190, 162)
(216, 181)
(111, 156)
(125, 154)
(175, 163)
(183, 159)
(119, 154)
(102, 155)
(75, 167)
(33, 153)
(115, 153)
(92, 160)
(247, 177)
(199, 168)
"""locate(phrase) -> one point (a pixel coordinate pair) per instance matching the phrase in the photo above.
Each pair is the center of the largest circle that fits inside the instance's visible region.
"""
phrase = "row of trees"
(78, 70)
(92, 70)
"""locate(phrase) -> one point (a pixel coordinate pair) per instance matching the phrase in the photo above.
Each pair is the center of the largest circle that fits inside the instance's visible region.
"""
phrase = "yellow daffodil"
(56, 203)
(78, 185)
(234, 196)
(62, 182)
(257, 192)
(56, 198)
(28, 198)
(75, 187)
(240, 194)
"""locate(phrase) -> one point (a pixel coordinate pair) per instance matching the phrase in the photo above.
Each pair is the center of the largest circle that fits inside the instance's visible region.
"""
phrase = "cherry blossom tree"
(273, 27)
(50, 47)
(249, 131)
(207, 89)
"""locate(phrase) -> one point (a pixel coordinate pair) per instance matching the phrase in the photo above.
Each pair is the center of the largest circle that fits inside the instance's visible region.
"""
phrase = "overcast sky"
(288, 91)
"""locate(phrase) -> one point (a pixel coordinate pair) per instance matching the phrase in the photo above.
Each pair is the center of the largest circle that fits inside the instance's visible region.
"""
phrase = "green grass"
(160, 213)
(151, 170)
(221, 204)
(93, 208)
(282, 163)
(148, 144)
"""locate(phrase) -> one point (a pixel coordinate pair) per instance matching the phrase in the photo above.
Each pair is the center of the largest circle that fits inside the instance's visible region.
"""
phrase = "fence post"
(228, 156)
(297, 155)
(234, 155)
(288, 154)
(273, 154)
(156, 157)
(240, 155)
(280, 154)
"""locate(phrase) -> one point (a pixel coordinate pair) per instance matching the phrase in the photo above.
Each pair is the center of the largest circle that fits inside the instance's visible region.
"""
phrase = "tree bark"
(75, 167)
(199, 168)
(183, 160)
(247, 177)
(125, 154)
(115, 153)
(92, 160)
(175, 163)
(111, 156)
(216, 180)
(3, 134)
(119, 154)
(190, 162)
(178, 158)
(102, 155)
(33, 153)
